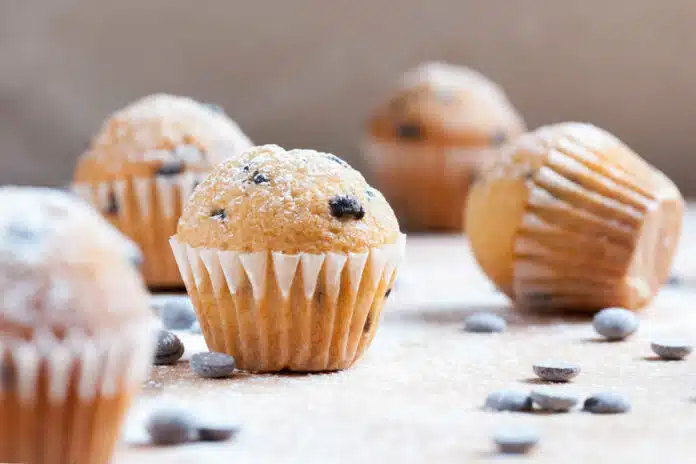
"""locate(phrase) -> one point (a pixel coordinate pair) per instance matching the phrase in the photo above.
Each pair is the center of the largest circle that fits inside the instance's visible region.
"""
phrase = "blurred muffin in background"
(143, 165)
(426, 142)
(76, 331)
(570, 218)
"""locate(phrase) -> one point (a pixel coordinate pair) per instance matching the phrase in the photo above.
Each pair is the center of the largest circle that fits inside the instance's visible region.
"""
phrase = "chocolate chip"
(171, 168)
(606, 403)
(338, 160)
(508, 400)
(672, 350)
(218, 214)
(215, 108)
(370, 193)
(217, 432)
(409, 131)
(176, 312)
(553, 400)
(169, 348)
(259, 178)
(515, 440)
(171, 426)
(7, 375)
(615, 323)
(498, 138)
(387, 293)
(556, 371)
(346, 206)
(112, 204)
(368, 323)
(245, 169)
(485, 323)
(212, 365)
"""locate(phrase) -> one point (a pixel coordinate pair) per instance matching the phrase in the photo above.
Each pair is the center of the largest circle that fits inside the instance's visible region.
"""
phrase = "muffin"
(569, 218)
(288, 257)
(426, 143)
(144, 164)
(75, 329)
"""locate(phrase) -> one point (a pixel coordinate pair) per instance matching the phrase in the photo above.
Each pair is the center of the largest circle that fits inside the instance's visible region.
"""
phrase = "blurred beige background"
(305, 73)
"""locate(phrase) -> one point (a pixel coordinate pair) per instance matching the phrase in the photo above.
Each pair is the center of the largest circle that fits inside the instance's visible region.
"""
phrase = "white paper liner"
(107, 362)
(223, 267)
(165, 188)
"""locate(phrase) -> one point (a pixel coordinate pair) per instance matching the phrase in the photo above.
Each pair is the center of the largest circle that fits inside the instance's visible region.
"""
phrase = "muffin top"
(160, 135)
(442, 104)
(287, 201)
(63, 267)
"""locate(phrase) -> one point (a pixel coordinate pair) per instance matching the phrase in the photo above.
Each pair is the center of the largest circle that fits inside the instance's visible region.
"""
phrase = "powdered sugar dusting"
(57, 260)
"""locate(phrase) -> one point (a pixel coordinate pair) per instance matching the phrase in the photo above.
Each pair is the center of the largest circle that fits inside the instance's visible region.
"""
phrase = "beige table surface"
(416, 397)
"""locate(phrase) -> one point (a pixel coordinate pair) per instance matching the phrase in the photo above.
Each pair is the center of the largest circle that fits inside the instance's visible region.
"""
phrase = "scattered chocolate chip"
(112, 204)
(218, 214)
(606, 403)
(215, 108)
(217, 432)
(370, 193)
(387, 293)
(615, 323)
(515, 440)
(484, 323)
(212, 365)
(169, 348)
(176, 312)
(246, 169)
(409, 131)
(556, 371)
(508, 400)
(259, 178)
(171, 168)
(554, 400)
(338, 160)
(498, 138)
(171, 426)
(672, 350)
(346, 205)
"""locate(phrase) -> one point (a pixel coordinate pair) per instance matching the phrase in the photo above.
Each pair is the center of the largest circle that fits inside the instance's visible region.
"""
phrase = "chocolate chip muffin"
(288, 257)
(76, 331)
(143, 165)
(570, 218)
(426, 142)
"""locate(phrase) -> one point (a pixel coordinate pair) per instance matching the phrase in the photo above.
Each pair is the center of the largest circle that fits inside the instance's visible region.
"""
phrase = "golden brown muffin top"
(160, 135)
(288, 201)
(442, 104)
(63, 267)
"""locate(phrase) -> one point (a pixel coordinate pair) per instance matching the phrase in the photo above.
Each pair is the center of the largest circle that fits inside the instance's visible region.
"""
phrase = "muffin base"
(303, 312)
(147, 211)
(62, 402)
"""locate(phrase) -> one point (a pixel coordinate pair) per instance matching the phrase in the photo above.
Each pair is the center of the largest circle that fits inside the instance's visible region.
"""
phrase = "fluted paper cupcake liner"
(62, 401)
(276, 311)
(577, 241)
(147, 210)
(426, 184)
